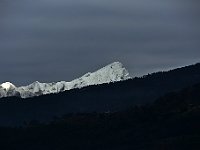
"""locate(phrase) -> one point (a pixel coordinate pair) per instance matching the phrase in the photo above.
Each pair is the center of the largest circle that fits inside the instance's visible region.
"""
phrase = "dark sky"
(53, 40)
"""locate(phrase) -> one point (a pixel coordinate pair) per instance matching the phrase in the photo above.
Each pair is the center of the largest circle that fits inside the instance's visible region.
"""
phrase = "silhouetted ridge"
(170, 123)
(99, 98)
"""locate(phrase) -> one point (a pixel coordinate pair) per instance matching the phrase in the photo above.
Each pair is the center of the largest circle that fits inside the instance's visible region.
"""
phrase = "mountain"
(169, 123)
(8, 89)
(111, 73)
(110, 97)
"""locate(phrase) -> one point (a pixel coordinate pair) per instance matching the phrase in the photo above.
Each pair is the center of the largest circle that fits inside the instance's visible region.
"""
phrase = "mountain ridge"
(111, 73)
(171, 122)
(106, 97)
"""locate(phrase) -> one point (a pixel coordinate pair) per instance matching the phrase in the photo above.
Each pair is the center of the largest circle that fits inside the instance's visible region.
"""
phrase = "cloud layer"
(51, 40)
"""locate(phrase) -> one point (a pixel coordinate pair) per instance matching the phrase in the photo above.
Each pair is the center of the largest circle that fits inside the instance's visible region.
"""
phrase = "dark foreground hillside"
(102, 98)
(170, 123)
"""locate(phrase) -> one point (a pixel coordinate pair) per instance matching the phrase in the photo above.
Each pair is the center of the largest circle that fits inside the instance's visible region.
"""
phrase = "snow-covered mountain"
(111, 73)
(8, 89)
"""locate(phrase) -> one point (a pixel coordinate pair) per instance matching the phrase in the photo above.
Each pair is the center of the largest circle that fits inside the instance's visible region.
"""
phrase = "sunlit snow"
(111, 73)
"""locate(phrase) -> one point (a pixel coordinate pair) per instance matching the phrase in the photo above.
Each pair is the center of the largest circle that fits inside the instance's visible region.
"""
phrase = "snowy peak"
(7, 86)
(114, 72)
(111, 73)
(8, 89)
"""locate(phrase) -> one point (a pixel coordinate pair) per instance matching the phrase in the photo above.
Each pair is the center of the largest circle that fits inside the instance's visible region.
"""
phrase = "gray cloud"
(51, 40)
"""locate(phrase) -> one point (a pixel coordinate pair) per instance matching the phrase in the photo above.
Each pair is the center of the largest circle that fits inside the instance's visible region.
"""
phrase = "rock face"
(110, 73)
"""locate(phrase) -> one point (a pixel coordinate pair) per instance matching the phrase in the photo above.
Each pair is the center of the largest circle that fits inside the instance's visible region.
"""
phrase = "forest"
(170, 123)
(159, 111)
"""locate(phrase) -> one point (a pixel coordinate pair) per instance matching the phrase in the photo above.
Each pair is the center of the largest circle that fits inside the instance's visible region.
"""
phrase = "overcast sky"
(53, 40)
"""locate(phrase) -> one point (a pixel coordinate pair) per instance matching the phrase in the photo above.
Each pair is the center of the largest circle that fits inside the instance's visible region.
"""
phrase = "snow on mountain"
(8, 89)
(111, 73)
(7, 86)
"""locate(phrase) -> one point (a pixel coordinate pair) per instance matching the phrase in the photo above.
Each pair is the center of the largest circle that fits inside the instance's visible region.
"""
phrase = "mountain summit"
(8, 89)
(111, 73)
(7, 86)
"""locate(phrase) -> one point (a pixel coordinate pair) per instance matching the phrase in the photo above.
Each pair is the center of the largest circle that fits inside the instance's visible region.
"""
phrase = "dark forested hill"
(170, 123)
(101, 98)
